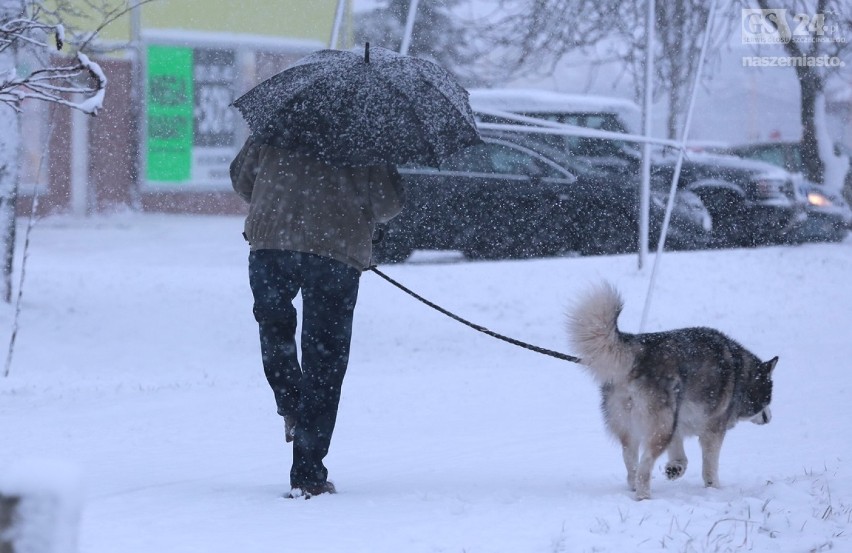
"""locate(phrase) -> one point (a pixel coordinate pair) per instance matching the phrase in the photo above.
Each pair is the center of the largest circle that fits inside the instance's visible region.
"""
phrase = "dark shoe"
(289, 428)
(307, 492)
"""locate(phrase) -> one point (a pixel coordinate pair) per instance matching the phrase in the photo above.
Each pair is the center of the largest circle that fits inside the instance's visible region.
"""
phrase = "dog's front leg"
(711, 446)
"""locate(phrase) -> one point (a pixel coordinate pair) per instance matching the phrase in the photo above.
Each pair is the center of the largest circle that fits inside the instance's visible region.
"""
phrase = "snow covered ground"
(137, 362)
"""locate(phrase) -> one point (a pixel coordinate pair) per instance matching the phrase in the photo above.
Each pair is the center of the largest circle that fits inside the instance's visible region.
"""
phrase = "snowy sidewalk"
(137, 361)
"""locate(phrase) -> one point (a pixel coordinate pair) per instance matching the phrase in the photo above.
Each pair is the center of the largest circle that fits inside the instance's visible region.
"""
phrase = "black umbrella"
(348, 109)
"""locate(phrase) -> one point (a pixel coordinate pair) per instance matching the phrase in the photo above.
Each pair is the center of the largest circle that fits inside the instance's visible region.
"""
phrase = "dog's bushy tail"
(593, 333)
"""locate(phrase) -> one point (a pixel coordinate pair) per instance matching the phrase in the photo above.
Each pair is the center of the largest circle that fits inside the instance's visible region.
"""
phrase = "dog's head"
(758, 393)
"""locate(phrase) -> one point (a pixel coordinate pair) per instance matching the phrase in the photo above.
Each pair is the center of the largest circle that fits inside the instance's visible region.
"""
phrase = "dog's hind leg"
(653, 449)
(676, 466)
(711, 446)
(657, 432)
(630, 452)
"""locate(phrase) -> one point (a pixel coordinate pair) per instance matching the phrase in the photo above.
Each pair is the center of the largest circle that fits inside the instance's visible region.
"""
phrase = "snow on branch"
(19, 29)
(35, 29)
(57, 84)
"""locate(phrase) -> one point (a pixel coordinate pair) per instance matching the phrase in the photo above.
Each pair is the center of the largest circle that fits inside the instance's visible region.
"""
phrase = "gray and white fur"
(659, 388)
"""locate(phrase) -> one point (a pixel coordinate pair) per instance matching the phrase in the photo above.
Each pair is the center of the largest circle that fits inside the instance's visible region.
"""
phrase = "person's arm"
(244, 169)
(387, 193)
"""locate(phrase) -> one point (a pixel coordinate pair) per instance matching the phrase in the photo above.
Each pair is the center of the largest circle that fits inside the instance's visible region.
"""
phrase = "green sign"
(170, 113)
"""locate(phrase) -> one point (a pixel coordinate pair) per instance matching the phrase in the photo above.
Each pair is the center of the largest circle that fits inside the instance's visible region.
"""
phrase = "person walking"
(310, 227)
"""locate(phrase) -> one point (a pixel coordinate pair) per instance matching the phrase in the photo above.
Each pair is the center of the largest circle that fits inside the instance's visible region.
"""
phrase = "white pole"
(135, 24)
(338, 22)
(676, 177)
(409, 27)
(80, 197)
(137, 99)
(645, 191)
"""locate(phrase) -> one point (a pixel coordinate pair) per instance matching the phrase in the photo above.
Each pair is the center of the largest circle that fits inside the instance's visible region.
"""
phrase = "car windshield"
(771, 154)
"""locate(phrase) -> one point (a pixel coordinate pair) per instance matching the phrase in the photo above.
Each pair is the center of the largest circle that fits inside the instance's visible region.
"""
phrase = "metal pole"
(409, 27)
(81, 201)
(135, 24)
(137, 108)
(676, 177)
(338, 22)
(645, 191)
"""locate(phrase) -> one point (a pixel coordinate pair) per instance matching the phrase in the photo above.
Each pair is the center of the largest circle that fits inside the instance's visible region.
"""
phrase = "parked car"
(687, 204)
(783, 153)
(501, 199)
(750, 202)
(829, 214)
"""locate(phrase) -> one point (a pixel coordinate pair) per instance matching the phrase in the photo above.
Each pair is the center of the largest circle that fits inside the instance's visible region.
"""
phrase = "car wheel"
(486, 234)
(485, 248)
(611, 236)
(391, 250)
(730, 226)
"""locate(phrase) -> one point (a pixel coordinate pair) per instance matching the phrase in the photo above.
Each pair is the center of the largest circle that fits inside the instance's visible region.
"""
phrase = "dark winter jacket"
(300, 204)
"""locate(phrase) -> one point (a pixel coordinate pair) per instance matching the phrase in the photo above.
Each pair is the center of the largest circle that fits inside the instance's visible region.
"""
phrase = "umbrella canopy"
(345, 108)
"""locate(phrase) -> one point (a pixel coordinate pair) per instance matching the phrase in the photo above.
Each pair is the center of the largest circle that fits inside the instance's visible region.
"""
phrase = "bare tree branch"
(38, 28)
(529, 38)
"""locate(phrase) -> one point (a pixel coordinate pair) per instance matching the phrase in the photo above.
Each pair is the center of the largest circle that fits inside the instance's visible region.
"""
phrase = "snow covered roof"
(529, 100)
(183, 37)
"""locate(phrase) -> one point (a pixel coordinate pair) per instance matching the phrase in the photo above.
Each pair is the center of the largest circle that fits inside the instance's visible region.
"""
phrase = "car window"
(770, 154)
(499, 159)
(796, 160)
(584, 146)
(507, 161)
(474, 159)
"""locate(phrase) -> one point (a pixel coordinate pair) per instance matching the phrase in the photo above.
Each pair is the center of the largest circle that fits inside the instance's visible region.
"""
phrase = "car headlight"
(818, 199)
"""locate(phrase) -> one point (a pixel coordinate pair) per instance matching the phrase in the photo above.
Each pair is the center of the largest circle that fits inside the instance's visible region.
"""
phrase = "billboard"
(191, 130)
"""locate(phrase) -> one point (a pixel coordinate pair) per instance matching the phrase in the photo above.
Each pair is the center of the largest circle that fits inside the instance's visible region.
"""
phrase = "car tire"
(390, 250)
(730, 226)
(612, 236)
(485, 249)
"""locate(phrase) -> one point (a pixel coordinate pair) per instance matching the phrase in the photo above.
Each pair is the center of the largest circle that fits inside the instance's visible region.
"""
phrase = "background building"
(167, 133)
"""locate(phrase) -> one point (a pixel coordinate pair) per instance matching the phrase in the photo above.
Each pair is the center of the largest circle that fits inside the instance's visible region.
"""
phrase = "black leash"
(551, 353)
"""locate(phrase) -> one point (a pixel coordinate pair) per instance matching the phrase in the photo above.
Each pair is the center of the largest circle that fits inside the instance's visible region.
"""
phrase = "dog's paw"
(675, 469)
(642, 495)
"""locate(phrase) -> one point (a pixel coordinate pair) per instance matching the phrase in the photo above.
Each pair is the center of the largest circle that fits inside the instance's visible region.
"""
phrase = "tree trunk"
(8, 220)
(9, 160)
(811, 83)
(811, 87)
(8, 198)
(677, 48)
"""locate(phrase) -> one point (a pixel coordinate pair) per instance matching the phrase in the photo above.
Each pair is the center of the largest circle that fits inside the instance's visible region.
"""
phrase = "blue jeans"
(308, 392)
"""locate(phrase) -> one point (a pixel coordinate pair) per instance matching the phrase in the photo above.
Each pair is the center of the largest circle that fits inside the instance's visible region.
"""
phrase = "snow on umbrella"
(347, 109)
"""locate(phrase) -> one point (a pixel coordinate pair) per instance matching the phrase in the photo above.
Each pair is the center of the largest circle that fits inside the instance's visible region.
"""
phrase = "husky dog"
(658, 388)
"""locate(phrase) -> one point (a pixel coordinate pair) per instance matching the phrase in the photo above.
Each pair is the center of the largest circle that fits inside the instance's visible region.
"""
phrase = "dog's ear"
(769, 366)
